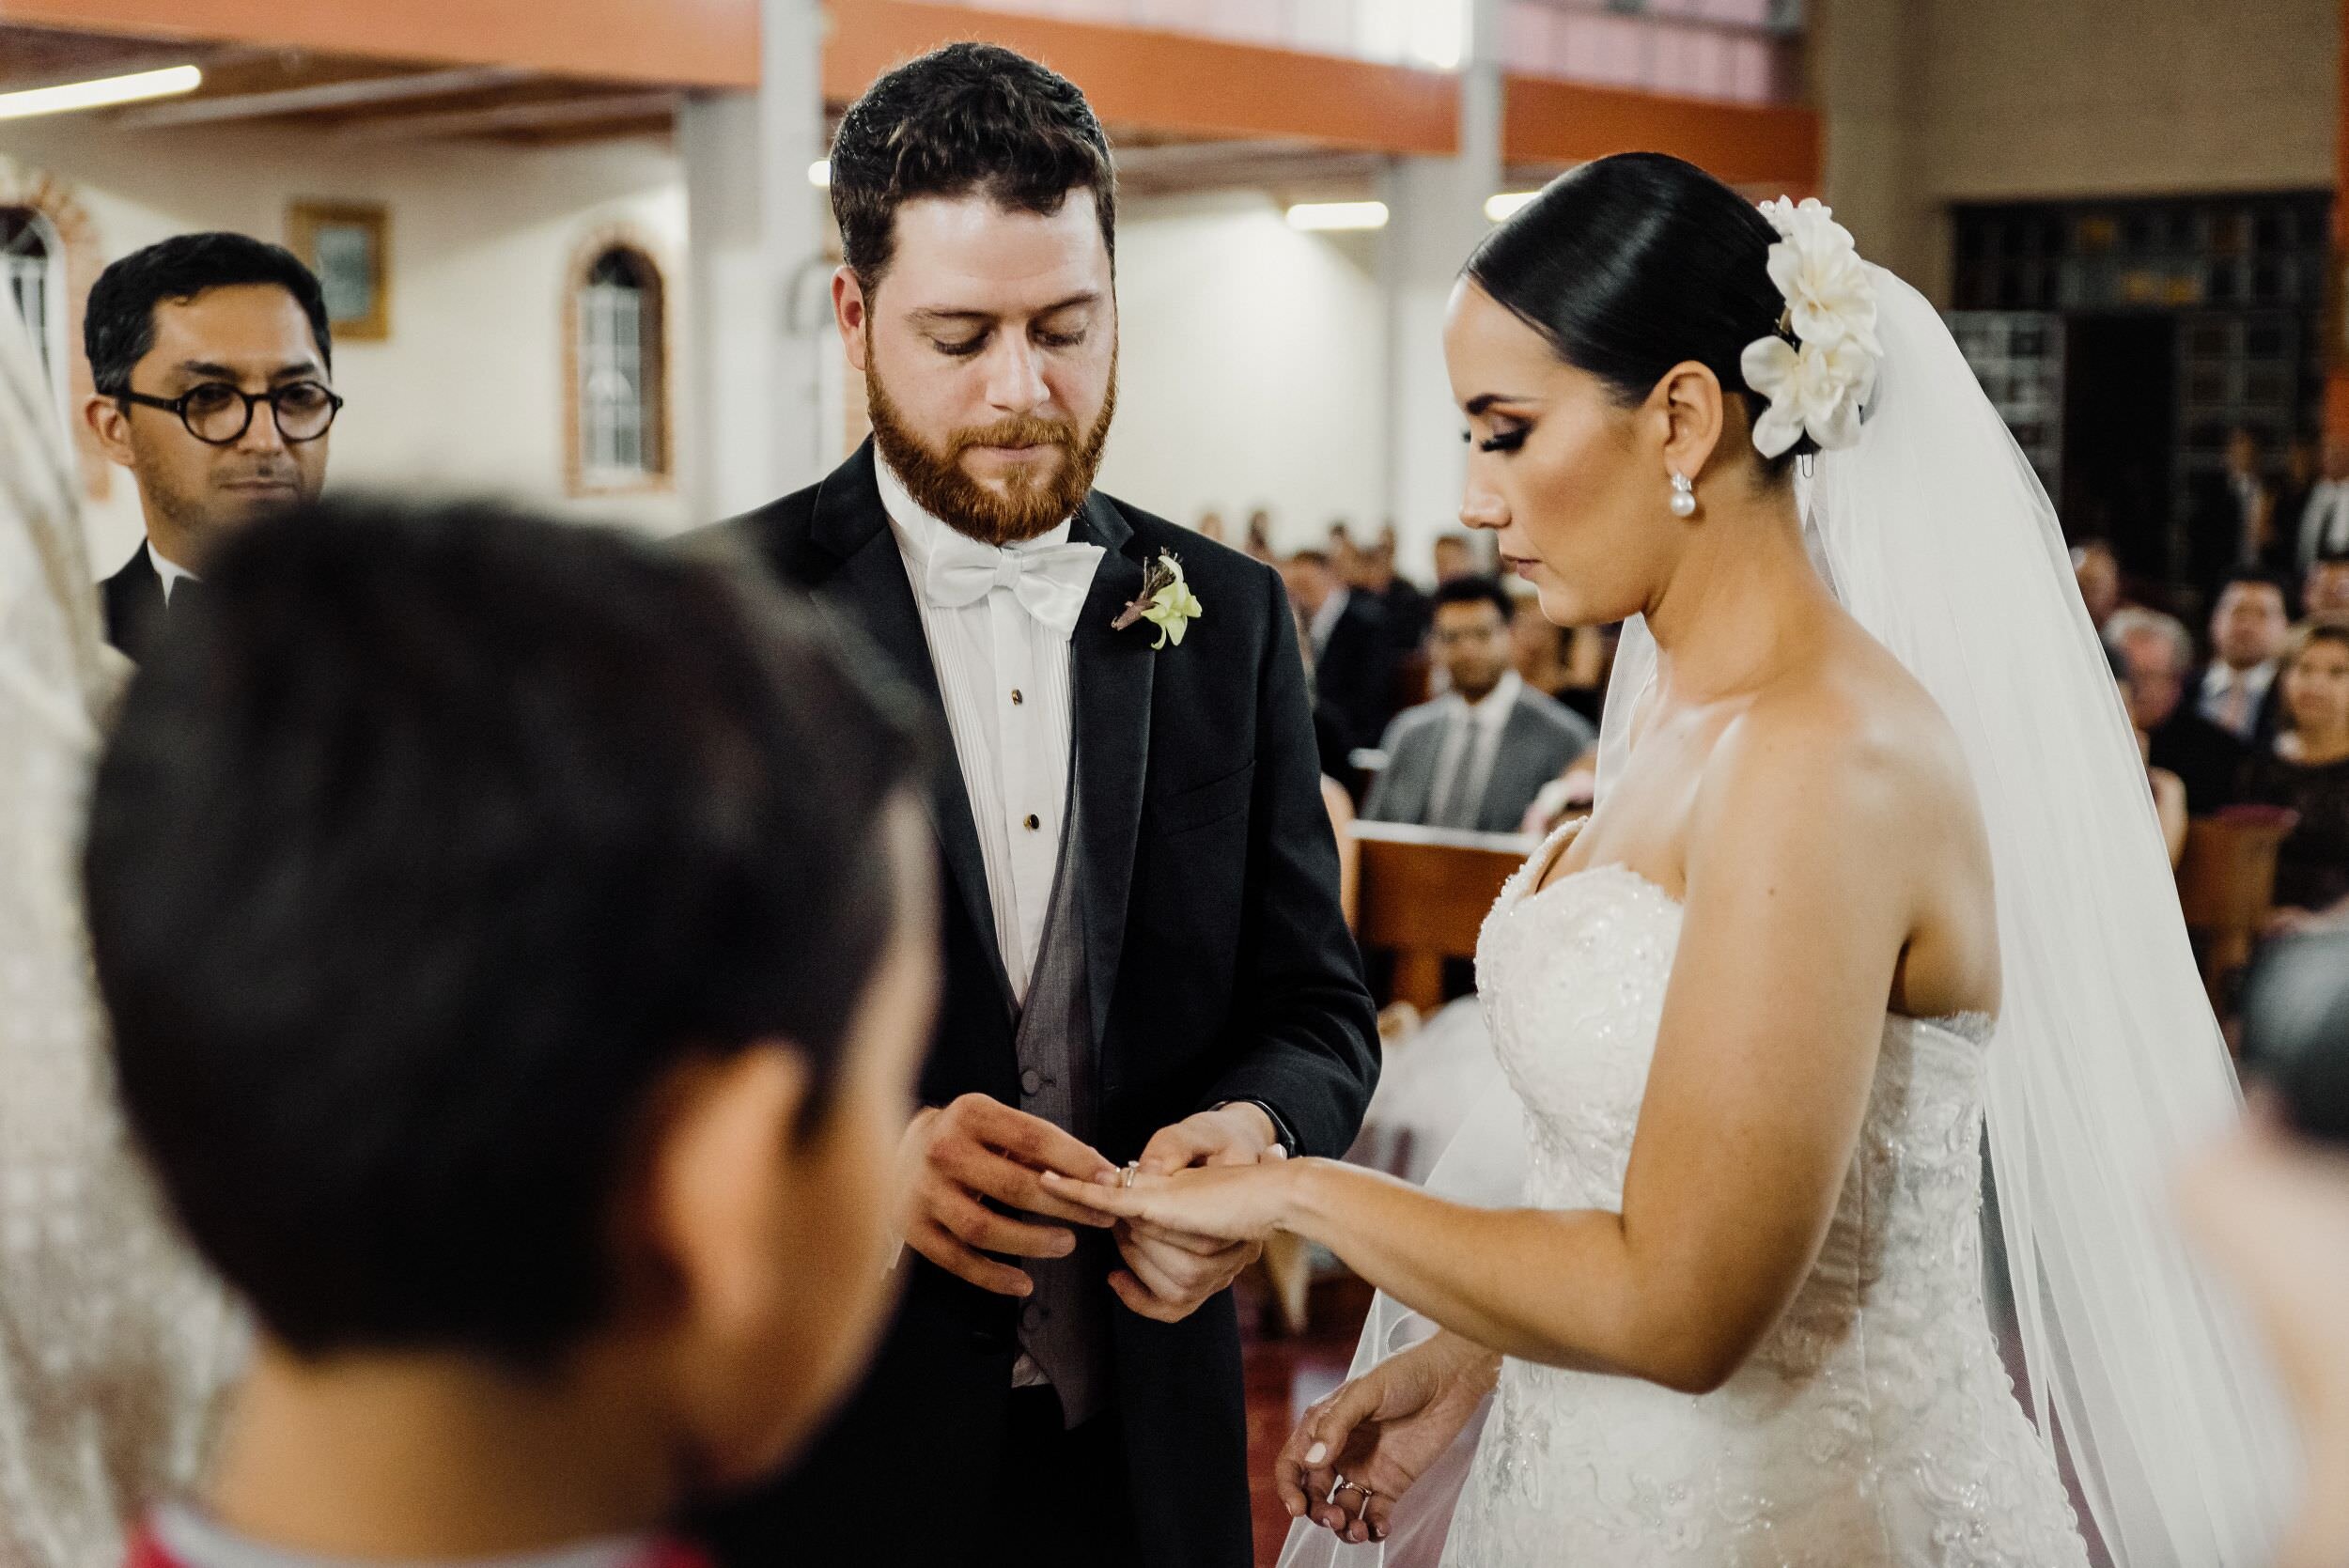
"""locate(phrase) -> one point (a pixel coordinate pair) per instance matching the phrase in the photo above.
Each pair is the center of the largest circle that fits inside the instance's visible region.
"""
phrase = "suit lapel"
(851, 523)
(1110, 674)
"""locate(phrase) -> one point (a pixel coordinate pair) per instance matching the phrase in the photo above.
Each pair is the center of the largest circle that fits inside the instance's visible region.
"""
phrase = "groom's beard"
(1028, 505)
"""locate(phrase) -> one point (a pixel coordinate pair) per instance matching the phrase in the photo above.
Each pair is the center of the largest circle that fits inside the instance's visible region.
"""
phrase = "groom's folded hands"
(1169, 1274)
(956, 1160)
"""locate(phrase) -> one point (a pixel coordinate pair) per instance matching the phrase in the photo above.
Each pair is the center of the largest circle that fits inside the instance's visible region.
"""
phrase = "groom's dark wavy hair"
(969, 116)
(423, 854)
(1632, 264)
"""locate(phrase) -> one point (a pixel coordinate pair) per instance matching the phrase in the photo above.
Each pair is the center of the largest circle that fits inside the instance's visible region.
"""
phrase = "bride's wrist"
(1305, 1199)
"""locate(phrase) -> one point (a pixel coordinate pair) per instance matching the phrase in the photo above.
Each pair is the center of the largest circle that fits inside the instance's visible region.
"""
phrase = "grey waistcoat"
(1064, 1327)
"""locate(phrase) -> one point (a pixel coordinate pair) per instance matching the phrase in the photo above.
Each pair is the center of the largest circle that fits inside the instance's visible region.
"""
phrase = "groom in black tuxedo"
(1146, 956)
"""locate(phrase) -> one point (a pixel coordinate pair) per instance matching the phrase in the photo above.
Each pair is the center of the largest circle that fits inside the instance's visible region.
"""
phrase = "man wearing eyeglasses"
(214, 368)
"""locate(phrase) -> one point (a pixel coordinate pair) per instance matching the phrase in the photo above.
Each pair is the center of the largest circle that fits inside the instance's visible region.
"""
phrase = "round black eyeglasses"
(219, 414)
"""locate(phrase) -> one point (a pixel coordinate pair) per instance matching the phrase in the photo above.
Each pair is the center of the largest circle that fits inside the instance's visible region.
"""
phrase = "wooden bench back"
(1425, 893)
(2227, 887)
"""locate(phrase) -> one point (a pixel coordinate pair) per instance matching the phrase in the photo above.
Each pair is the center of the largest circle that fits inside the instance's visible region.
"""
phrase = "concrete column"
(1435, 208)
(753, 425)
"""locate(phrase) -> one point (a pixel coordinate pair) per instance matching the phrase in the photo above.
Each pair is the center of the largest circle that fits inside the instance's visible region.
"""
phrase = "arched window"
(621, 372)
(32, 264)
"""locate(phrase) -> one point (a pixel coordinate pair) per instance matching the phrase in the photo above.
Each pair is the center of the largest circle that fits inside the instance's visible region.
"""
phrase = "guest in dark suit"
(1409, 610)
(2233, 521)
(2157, 653)
(2238, 691)
(1146, 960)
(214, 367)
(1354, 652)
(1476, 758)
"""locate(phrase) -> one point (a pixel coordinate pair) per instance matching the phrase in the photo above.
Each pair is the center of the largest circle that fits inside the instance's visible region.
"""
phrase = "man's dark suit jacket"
(1221, 969)
(1354, 671)
(135, 605)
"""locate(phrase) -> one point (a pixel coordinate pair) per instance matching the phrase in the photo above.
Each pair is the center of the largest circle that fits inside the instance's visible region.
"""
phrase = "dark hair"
(422, 856)
(1636, 263)
(1310, 557)
(1475, 590)
(2253, 576)
(118, 328)
(969, 116)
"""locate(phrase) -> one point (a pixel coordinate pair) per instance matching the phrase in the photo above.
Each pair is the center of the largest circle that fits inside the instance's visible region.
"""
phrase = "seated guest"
(215, 375)
(1456, 557)
(2325, 592)
(2306, 768)
(1353, 646)
(2169, 790)
(1476, 756)
(521, 950)
(2098, 572)
(1408, 610)
(2318, 527)
(2247, 629)
(2156, 653)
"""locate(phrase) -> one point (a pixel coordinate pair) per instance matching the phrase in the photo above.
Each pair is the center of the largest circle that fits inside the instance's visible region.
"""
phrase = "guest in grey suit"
(1474, 758)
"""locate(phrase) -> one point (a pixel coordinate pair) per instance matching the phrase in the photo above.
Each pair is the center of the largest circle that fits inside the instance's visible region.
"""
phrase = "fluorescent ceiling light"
(1323, 216)
(1500, 208)
(819, 174)
(104, 93)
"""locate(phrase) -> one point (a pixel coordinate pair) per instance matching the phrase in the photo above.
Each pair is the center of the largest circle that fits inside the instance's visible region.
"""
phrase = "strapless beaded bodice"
(1874, 1423)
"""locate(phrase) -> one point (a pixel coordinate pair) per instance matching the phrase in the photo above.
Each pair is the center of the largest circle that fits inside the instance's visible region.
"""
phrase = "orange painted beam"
(683, 44)
(1565, 122)
(2336, 327)
(1169, 82)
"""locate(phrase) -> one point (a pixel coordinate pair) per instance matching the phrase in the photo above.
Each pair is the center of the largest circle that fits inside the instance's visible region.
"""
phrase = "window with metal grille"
(620, 373)
(32, 267)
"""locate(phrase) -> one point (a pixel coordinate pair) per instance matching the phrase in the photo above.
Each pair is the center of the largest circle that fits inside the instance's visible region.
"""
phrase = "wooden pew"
(2227, 888)
(1425, 893)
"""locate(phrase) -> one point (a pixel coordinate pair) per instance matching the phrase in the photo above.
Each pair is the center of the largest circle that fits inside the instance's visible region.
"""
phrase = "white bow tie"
(1051, 582)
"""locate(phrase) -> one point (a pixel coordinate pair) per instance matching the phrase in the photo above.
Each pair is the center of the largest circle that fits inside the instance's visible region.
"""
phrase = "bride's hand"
(1226, 1202)
(1380, 1432)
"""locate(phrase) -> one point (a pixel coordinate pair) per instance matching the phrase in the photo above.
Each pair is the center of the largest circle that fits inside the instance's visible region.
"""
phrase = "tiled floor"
(1284, 1376)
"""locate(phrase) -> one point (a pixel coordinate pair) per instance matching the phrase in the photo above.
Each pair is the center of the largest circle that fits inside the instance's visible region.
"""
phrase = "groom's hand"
(951, 1160)
(1170, 1275)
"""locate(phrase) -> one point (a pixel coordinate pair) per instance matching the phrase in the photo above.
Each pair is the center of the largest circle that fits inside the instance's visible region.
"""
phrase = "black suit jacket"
(1354, 673)
(1221, 969)
(2206, 760)
(134, 606)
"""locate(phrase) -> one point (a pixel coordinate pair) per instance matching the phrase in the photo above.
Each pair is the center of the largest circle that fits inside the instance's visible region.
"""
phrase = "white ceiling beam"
(363, 93)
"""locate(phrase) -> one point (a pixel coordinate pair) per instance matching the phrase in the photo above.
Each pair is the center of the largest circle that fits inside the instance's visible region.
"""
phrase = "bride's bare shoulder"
(1853, 732)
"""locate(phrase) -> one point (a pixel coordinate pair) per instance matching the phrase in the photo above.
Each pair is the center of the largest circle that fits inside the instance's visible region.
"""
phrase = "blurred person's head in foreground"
(2270, 1206)
(213, 369)
(978, 225)
(519, 949)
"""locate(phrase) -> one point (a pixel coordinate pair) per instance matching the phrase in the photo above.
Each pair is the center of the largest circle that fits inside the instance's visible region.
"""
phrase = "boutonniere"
(1166, 602)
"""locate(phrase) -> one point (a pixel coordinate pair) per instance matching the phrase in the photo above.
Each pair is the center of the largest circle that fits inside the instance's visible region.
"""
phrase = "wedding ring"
(1125, 1177)
(1343, 1485)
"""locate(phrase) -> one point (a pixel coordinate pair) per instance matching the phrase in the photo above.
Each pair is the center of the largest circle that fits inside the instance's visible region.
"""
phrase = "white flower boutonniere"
(1166, 602)
(1820, 366)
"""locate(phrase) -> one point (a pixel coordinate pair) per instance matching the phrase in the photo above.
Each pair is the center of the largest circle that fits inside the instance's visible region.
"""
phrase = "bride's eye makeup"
(1505, 440)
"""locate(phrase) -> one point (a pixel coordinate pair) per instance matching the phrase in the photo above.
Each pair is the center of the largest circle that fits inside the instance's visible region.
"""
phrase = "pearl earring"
(1683, 500)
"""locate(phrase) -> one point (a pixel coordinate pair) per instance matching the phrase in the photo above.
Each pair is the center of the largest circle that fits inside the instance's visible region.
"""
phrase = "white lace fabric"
(1875, 1426)
(115, 1345)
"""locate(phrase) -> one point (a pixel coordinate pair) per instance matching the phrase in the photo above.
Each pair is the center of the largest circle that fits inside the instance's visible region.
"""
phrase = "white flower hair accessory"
(1819, 367)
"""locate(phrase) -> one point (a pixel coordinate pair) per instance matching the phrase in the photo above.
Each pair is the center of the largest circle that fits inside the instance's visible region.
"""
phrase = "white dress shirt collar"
(169, 571)
(1326, 618)
(1491, 711)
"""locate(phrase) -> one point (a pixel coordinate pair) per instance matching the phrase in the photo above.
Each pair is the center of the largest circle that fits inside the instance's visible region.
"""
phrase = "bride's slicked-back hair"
(1636, 263)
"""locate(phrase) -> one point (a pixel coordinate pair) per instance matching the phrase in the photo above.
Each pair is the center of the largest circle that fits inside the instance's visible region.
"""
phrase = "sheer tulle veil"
(2108, 1067)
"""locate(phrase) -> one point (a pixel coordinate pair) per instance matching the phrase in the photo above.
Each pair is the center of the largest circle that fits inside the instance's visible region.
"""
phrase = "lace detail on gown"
(1875, 1425)
(115, 1344)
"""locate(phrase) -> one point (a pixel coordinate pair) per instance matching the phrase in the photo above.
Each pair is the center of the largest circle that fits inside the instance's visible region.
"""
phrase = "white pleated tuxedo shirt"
(1006, 679)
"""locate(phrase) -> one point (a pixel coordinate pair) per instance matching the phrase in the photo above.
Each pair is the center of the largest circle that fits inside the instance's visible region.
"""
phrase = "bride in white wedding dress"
(115, 1344)
(1872, 856)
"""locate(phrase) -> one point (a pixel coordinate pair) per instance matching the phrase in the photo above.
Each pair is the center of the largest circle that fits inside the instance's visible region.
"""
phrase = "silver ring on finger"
(1126, 1176)
(1342, 1484)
